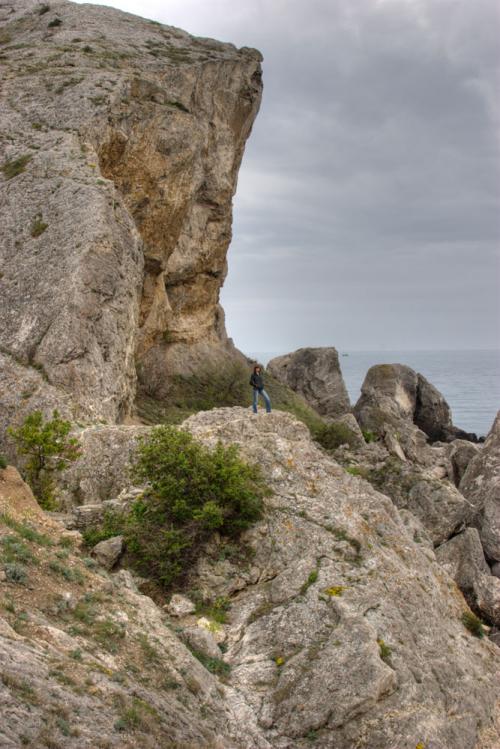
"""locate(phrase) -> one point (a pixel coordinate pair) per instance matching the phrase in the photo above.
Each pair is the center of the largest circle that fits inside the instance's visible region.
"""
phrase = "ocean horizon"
(468, 379)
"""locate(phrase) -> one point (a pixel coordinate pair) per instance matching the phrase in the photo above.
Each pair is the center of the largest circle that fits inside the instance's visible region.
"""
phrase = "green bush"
(48, 449)
(54, 23)
(331, 436)
(192, 493)
(369, 436)
(3, 462)
(111, 525)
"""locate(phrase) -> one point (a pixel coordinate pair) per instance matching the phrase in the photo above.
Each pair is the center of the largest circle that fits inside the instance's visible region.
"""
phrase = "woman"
(257, 382)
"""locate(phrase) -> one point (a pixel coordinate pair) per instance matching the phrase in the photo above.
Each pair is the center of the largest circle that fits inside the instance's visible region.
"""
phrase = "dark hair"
(257, 366)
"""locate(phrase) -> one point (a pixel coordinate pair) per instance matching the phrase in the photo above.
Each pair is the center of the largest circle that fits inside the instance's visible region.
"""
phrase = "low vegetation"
(331, 436)
(14, 167)
(473, 624)
(216, 387)
(38, 226)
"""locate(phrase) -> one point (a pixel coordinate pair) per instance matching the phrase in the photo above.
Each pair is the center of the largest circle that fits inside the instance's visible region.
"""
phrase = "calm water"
(469, 380)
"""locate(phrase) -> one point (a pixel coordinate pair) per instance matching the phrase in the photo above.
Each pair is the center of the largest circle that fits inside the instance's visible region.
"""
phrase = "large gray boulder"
(315, 374)
(398, 404)
(481, 486)
(102, 472)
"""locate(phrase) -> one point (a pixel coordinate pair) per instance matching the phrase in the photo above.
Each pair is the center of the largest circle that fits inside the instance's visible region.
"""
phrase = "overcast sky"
(367, 210)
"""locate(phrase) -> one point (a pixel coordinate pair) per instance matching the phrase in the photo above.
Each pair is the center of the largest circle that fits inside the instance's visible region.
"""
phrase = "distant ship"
(345, 354)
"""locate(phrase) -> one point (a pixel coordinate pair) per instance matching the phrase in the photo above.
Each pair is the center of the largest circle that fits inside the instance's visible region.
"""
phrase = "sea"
(469, 380)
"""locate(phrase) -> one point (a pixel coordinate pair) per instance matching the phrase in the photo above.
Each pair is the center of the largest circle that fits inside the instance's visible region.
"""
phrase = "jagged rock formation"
(481, 485)
(315, 374)
(120, 143)
(343, 628)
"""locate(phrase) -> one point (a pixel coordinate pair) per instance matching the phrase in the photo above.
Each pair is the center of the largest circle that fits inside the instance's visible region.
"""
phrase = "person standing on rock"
(257, 382)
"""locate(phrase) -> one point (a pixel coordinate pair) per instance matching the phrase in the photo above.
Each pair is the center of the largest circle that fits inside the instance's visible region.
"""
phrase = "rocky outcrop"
(329, 629)
(315, 374)
(399, 404)
(481, 486)
(121, 145)
(327, 633)
(463, 558)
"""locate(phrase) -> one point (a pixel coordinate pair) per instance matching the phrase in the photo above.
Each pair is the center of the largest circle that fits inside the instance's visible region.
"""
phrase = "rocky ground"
(342, 626)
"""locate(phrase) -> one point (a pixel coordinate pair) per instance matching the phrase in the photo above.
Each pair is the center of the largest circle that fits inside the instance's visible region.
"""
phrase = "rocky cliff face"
(120, 142)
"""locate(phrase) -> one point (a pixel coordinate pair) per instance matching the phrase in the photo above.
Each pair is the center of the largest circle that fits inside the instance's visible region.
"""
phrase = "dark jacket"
(257, 381)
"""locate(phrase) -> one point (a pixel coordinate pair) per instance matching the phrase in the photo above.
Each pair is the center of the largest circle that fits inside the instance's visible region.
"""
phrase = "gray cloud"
(367, 205)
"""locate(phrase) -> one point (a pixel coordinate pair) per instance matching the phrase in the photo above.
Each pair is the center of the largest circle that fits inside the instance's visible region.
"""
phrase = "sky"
(367, 210)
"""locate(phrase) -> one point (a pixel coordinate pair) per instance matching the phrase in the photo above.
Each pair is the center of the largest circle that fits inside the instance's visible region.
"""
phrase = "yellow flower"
(279, 660)
(335, 590)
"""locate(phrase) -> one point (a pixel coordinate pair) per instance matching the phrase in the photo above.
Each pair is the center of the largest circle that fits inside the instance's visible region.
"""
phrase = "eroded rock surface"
(481, 485)
(307, 650)
(315, 374)
(120, 143)
(327, 633)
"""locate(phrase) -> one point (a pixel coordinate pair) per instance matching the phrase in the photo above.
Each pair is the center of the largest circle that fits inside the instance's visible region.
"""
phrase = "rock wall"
(120, 145)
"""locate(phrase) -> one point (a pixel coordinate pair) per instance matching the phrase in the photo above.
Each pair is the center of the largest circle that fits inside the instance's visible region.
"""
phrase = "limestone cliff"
(120, 145)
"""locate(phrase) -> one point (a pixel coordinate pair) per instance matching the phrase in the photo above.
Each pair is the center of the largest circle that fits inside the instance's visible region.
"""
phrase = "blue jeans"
(256, 393)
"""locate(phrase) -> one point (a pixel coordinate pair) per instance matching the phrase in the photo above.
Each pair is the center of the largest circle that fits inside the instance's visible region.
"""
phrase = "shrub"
(384, 650)
(48, 449)
(331, 436)
(43, 9)
(54, 23)
(15, 573)
(369, 436)
(38, 226)
(15, 166)
(3, 463)
(473, 624)
(192, 493)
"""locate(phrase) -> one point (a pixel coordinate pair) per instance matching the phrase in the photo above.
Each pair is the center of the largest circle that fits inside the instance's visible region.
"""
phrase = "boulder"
(201, 641)
(179, 606)
(460, 453)
(102, 472)
(401, 406)
(108, 552)
(315, 374)
(463, 558)
(481, 486)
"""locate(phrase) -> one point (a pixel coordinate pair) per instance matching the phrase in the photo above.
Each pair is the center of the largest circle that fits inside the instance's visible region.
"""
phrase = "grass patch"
(212, 608)
(38, 226)
(71, 574)
(215, 665)
(25, 531)
(312, 578)
(14, 550)
(473, 624)
(14, 167)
